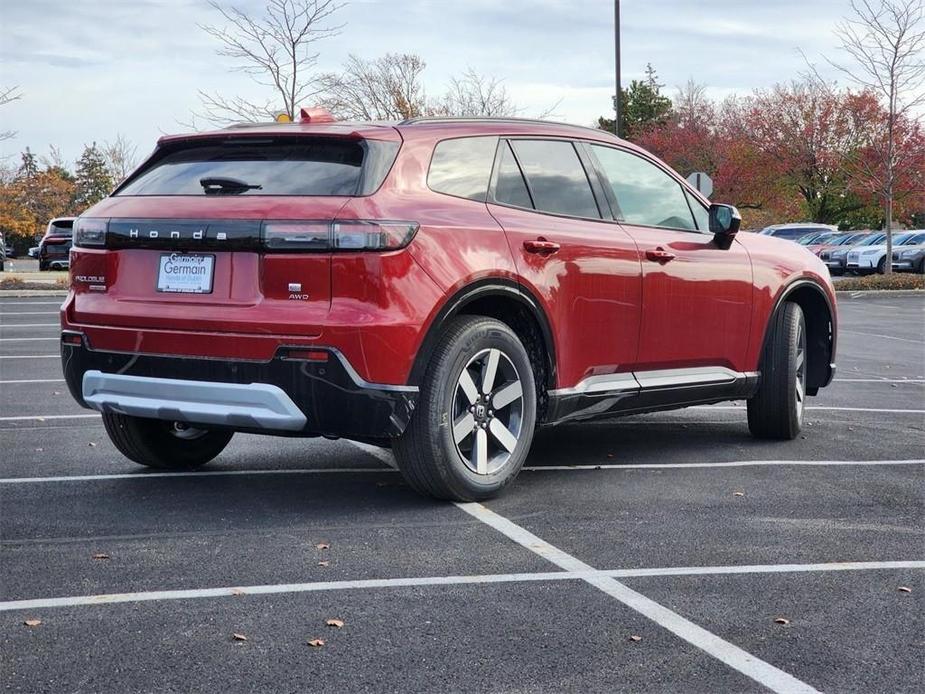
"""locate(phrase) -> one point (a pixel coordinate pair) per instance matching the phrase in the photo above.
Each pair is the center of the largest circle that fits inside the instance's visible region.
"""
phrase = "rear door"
(697, 297)
(584, 269)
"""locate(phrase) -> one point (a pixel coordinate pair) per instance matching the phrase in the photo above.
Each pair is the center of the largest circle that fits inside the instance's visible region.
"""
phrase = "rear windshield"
(62, 227)
(282, 166)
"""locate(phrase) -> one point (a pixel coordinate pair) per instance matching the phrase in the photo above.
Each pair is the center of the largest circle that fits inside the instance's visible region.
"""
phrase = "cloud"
(89, 70)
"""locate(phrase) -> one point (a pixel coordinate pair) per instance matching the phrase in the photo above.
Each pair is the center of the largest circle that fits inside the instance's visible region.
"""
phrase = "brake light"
(90, 232)
(353, 235)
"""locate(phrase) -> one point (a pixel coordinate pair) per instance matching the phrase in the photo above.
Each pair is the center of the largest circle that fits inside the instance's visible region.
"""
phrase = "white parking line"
(392, 468)
(30, 339)
(29, 325)
(367, 584)
(817, 407)
(30, 356)
(34, 380)
(29, 313)
(764, 673)
(31, 303)
(42, 418)
(879, 380)
(884, 337)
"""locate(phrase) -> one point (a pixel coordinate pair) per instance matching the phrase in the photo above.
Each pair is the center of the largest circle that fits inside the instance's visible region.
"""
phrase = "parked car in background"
(841, 239)
(33, 252)
(438, 286)
(55, 246)
(796, 231)
(911, 256)
(818, 238)
(871, 258)
(836, 258)
(2, 252)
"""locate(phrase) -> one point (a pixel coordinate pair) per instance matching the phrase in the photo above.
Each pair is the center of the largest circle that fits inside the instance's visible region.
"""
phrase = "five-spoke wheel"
(473, 424)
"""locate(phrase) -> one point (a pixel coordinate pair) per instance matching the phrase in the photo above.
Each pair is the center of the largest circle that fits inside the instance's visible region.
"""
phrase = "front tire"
(163, 444)
(776, 410)
(474, 421)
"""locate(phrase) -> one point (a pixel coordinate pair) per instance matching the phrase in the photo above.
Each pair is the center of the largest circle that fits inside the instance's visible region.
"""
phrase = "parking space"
(652, 553)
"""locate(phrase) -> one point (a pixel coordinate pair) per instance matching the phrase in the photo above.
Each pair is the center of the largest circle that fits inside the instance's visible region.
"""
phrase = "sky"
(92, 69)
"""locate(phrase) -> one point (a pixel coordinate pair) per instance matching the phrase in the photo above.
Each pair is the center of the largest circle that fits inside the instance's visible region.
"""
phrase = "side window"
(462, 167)
(557, 180)
(701, 213)
(645, 194)
(511, 188)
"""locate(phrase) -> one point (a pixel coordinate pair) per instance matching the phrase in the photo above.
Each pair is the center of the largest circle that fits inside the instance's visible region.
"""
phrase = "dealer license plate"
(185, 273)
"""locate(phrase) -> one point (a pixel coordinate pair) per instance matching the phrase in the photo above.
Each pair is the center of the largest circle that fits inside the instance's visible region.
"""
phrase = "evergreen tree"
(29, 168)
(93, 179)
(641, 106)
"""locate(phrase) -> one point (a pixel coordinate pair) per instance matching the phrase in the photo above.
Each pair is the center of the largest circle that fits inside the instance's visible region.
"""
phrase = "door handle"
(541, 246)
(659, 255)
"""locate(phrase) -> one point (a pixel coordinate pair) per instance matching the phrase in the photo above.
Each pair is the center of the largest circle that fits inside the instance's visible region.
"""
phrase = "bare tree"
(387, 88)
(474, 94)
(884, 42)
(276, 50)
(121, 157)
(7, 95)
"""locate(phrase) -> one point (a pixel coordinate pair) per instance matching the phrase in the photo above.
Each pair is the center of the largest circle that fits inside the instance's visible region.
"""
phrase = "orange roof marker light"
(282, 117)
(315, 115)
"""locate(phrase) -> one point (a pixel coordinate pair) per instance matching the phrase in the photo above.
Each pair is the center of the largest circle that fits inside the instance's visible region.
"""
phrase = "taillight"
(90, 233)
(353, 235)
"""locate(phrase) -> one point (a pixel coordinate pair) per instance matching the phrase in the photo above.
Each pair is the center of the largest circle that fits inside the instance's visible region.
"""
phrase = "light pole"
(616, 47)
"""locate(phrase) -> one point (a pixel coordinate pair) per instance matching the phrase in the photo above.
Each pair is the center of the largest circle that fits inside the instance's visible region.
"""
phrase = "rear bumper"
(285, 396)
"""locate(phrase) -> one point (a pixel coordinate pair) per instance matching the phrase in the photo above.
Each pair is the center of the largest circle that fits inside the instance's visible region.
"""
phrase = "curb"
(864, 293)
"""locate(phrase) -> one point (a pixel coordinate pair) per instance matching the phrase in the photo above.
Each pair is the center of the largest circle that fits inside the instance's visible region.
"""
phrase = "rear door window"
(282, 166)
(556, 178)
(462, 167)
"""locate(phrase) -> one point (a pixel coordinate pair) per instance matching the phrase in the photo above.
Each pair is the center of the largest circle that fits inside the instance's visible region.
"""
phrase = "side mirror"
(724, 223)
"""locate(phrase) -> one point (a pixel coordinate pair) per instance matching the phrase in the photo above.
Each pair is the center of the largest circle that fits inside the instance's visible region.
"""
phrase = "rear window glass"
(462, 167)
(511, 188)
(321, 166)
(61, 228)
(557, 180)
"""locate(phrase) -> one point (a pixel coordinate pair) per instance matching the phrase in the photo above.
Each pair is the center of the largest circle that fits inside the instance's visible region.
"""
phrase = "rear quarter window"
(284, 166)
(462, 167)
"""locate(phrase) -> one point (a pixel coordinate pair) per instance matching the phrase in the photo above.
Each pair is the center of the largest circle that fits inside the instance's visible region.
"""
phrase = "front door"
(696, 297)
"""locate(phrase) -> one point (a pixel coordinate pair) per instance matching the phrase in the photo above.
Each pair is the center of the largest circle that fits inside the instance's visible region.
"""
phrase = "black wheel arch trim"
(480, 289)
(782, 297)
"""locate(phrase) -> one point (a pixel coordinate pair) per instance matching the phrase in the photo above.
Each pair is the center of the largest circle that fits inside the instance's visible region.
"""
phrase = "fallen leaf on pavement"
(782, 620)
(92, 445)
(322, 545)
(316, 643)
(239, 637)
(634, 637)
(738, 493)
(905, 589)
(324, 563)
(237, 591)
(39, 450)
(334, 623)
(32, 622)
(100, 555)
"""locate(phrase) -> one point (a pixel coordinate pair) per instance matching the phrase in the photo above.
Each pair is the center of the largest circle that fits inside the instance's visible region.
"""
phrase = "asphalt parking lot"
(663, 552)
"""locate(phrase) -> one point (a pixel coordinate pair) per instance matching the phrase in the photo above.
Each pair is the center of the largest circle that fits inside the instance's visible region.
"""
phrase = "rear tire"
(163, 444)
(776, 410)
(474, 421)
(881, 266)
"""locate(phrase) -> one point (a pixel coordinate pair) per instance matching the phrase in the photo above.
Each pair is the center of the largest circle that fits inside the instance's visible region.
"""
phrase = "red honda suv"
(440, 286)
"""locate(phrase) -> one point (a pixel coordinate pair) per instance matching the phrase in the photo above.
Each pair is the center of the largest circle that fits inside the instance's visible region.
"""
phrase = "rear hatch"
(229, 233)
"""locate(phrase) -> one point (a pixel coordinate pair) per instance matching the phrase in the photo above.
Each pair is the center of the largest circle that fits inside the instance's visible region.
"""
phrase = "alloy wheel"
(800, 377)
(487, 412)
